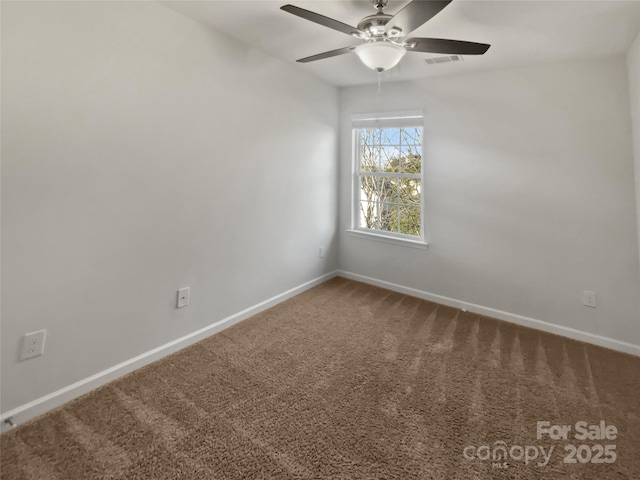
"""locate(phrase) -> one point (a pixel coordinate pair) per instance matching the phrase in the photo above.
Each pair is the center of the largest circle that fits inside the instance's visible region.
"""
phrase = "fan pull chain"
(379, 82)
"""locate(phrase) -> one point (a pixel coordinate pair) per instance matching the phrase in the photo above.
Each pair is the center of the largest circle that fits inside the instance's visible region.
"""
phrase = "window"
(388, 176)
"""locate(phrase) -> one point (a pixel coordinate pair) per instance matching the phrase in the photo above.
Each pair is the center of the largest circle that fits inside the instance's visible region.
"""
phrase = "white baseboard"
(55, 399)
(501, 315)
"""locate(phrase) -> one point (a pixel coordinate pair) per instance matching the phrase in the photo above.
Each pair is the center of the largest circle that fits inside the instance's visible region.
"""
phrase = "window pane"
(370, 136)
(371, 188)
(390, 136)
(369, 215)
(410, 220)
(409, 191)
(411, 160)
(411, 136)
(390, 159)
(389, 217)
(390, 190)
(369, 158)
(379, 216)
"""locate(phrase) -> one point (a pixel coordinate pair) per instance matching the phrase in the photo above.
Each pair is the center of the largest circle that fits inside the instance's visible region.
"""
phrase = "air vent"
(448, 58)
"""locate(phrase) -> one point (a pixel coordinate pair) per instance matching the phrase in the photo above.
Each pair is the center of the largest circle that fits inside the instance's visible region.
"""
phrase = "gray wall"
(143, 152)
(529, 194)
(633, 65)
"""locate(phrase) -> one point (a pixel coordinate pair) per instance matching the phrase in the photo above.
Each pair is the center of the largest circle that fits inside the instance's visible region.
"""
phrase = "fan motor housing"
(374, 24)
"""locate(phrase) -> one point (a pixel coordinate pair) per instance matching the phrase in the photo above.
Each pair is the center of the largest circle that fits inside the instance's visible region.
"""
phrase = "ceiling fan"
(385, 36)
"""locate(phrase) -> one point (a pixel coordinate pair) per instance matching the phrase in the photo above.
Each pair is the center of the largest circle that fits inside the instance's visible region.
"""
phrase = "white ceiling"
(521, 32)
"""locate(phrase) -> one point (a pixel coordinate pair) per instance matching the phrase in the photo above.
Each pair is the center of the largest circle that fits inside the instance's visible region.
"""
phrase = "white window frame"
(385, 120)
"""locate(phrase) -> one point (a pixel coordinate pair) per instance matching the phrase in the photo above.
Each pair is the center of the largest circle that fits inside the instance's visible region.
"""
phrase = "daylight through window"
(388, 193)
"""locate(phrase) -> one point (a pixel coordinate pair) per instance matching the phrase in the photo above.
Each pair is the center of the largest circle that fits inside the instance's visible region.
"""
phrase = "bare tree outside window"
(390, 173)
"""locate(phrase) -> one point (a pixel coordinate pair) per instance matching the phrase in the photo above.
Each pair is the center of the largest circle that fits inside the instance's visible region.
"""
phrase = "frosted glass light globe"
(380, 56)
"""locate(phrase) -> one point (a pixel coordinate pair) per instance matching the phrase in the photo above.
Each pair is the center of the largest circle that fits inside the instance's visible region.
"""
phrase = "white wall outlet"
(589, 299)
(33, 344)
(183, 297)
(321, 252)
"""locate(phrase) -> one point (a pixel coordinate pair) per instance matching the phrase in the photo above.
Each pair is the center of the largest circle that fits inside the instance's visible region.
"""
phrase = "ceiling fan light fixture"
(380, 56)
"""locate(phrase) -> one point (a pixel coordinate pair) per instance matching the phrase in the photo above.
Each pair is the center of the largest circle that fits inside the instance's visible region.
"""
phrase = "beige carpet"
(347, 381)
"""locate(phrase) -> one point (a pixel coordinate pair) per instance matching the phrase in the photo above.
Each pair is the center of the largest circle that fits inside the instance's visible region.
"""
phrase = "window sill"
(405, 242)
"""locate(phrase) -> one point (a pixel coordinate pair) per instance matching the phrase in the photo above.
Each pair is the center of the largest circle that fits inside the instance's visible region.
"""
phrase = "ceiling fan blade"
(332, 53)
(322, 20)
(441, 45)
(415, 14)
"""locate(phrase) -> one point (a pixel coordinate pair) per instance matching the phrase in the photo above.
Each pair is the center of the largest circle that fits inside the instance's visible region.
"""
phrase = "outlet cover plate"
(589, 299)
(183, 297)
(33, 344)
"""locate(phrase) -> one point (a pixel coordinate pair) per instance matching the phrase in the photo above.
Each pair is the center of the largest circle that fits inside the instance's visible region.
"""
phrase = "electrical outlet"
(33, 344)
(589, 299)
(321, 252)
(183, 297)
